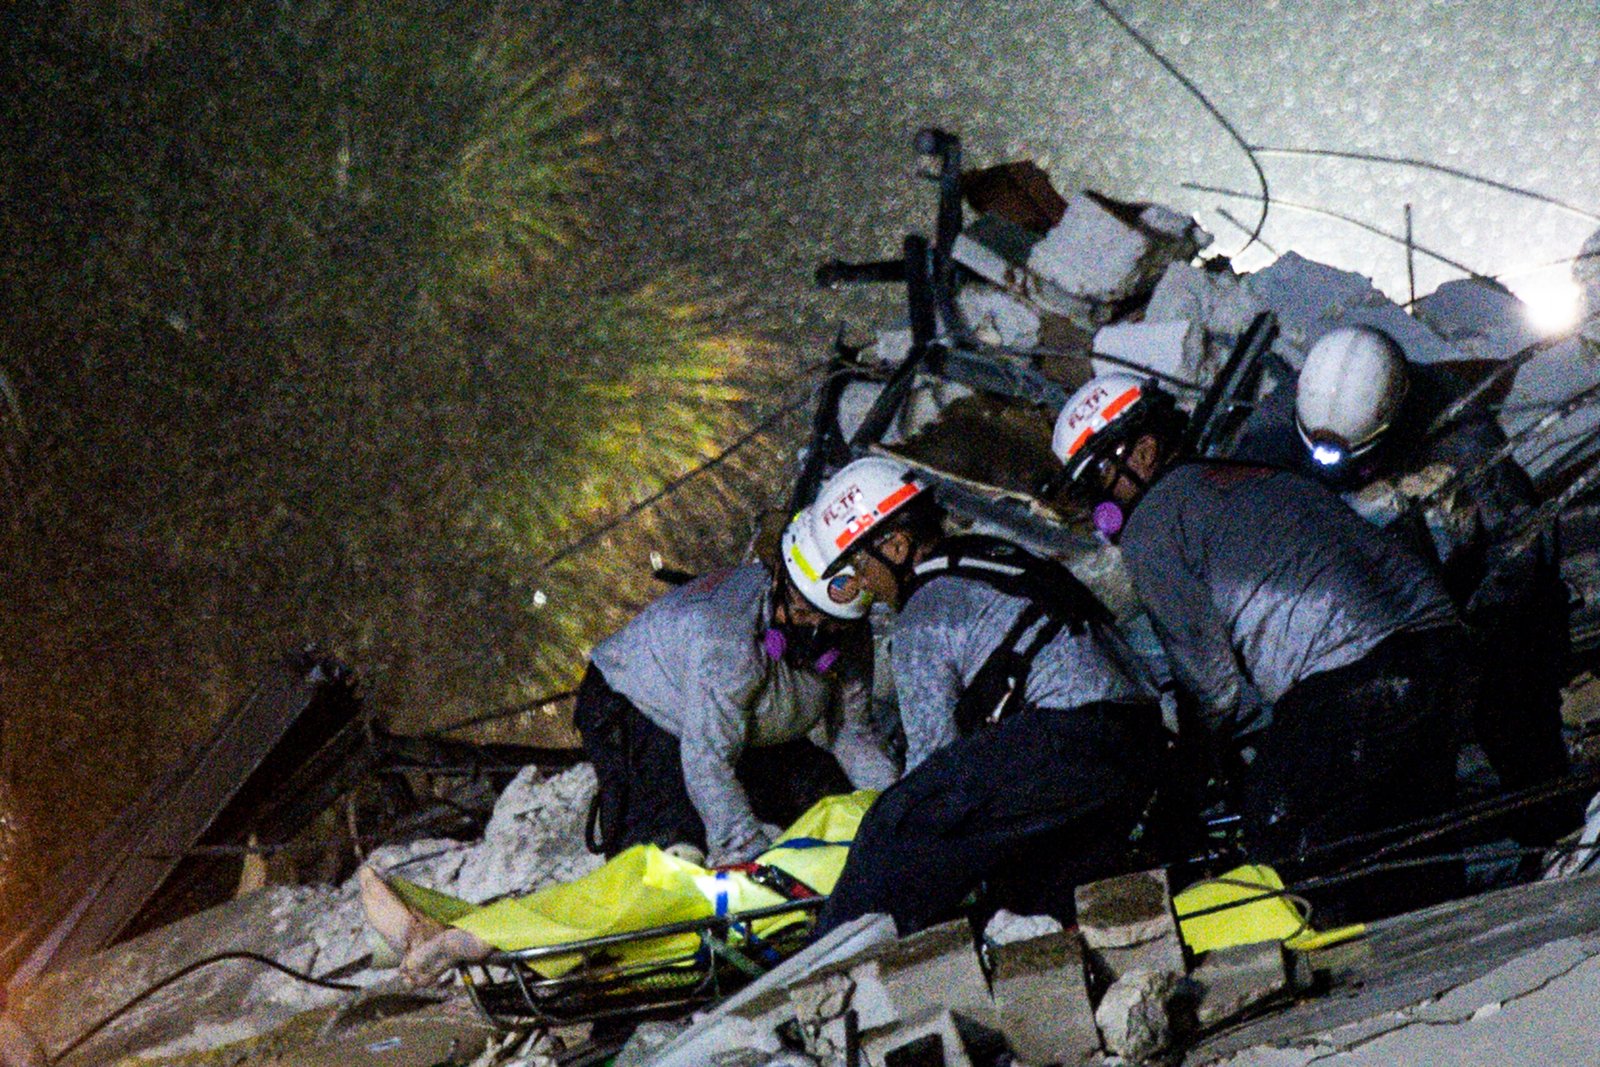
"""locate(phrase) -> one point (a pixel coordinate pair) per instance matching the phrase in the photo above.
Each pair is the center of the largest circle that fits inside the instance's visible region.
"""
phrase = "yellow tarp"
(644, 887)
(1271, 918)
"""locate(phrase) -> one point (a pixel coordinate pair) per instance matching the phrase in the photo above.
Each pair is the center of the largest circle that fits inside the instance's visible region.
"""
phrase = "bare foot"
(400, 925)
(429, 958)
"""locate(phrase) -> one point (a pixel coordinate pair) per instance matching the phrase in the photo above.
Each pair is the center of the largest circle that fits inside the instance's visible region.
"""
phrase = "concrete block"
(997, 317)
(1155, 346)
(765, 1004)
(1134, 1015)
(897, 980)
(1230, 980)
(1005, 927)
(1041, 999)
(937, 1037)
(1107, 252)
(1128, 925)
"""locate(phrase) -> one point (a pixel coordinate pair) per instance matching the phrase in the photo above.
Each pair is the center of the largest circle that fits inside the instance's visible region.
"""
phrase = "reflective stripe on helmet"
(802, 564)
(864, 522)
(1100, 420)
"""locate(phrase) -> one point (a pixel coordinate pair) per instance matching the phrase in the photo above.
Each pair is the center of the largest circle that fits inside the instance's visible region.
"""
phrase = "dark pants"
(1523, 646)
(1361, 748)
(1046, 798)
(641, 797)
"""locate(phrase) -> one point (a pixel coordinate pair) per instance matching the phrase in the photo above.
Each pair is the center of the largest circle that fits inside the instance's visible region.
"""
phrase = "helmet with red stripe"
(803, 559)
(1104, 414)
(857, 503)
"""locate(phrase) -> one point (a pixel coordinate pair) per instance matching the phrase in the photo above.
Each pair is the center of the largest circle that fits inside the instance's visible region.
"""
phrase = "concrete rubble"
(1129, 926)
(942, 996)
(534, 838)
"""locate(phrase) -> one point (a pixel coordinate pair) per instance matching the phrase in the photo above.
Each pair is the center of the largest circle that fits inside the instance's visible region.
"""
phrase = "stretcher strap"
(809, 842)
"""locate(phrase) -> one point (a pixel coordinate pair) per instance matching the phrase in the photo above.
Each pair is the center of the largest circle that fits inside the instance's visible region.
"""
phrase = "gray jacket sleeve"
(855, 744)
(1191, 629)
(715, 729)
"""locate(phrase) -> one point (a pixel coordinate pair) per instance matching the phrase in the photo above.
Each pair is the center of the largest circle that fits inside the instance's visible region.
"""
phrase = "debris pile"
(534, 838)
(1120, 984)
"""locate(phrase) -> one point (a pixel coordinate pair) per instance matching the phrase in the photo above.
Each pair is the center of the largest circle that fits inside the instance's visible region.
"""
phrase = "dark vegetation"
(310, 335)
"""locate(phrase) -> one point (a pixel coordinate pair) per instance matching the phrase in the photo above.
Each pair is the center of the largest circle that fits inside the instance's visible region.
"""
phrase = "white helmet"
(854, 501)
(803, 561)
(1080, 427)
(1349, 392)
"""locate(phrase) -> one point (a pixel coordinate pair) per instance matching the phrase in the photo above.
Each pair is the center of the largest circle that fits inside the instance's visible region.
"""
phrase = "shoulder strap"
(1011, 569)
(1051, 593)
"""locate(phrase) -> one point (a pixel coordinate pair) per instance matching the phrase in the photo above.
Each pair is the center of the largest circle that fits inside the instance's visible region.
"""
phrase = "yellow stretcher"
(648, 929)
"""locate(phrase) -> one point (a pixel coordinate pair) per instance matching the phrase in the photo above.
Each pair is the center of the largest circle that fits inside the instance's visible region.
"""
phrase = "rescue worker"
(1358, 419)
(1030, 745)
(1323, 657)
(716, 687)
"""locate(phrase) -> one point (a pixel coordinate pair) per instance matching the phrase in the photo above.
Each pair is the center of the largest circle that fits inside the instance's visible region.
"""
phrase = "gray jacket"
(948, 630)
(1256, 579)
(1462, 524)
(692, 663)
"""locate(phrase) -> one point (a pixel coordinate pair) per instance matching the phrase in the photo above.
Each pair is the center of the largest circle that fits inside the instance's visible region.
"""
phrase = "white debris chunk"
(1216, 302)
(1133, 1016)
(1480, 319)
(1161, 347)
(893, 347)
(997, 317)
(1006, 927)
(1096, 254)
(1311, 298)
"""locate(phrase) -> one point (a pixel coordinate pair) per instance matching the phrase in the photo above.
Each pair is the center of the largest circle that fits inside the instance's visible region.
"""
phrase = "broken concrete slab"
(1230, 981)
(225, 1002)
(1218, 308)
(764, 1004)
(424, 1037)
(1410, 959)
(1129, 925)
(1479, 318)
(1041, 999)
(1107, 252)
(937, 967)
(1531, 1010)
(1159, 347)
(1134, 1016)
(998, 251)
(1311, 298)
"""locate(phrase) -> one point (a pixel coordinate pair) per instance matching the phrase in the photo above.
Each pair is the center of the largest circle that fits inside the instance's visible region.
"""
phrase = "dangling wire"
(1423, 164)
(1194, 91)
(1312, 209)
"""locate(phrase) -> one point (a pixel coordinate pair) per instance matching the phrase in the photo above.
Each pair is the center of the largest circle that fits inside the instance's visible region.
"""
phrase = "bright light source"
(1554, 304)
(1327, 455)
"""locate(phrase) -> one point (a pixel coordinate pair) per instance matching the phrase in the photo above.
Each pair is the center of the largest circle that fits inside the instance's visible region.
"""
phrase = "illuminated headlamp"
(1327, 455)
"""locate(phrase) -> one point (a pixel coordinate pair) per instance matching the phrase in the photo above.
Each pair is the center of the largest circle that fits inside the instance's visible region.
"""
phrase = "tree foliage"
(309, 338)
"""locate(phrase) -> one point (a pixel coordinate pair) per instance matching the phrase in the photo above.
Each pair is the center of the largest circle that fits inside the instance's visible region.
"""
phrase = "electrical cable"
(1205, 102)
(1312, 209)
(681, 480)
(671, 487)
(503, 713)
(1423, 164)
(220, 957)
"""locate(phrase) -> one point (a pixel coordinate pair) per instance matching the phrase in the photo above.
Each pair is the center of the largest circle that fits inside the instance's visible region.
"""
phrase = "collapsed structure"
(1007, 315)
